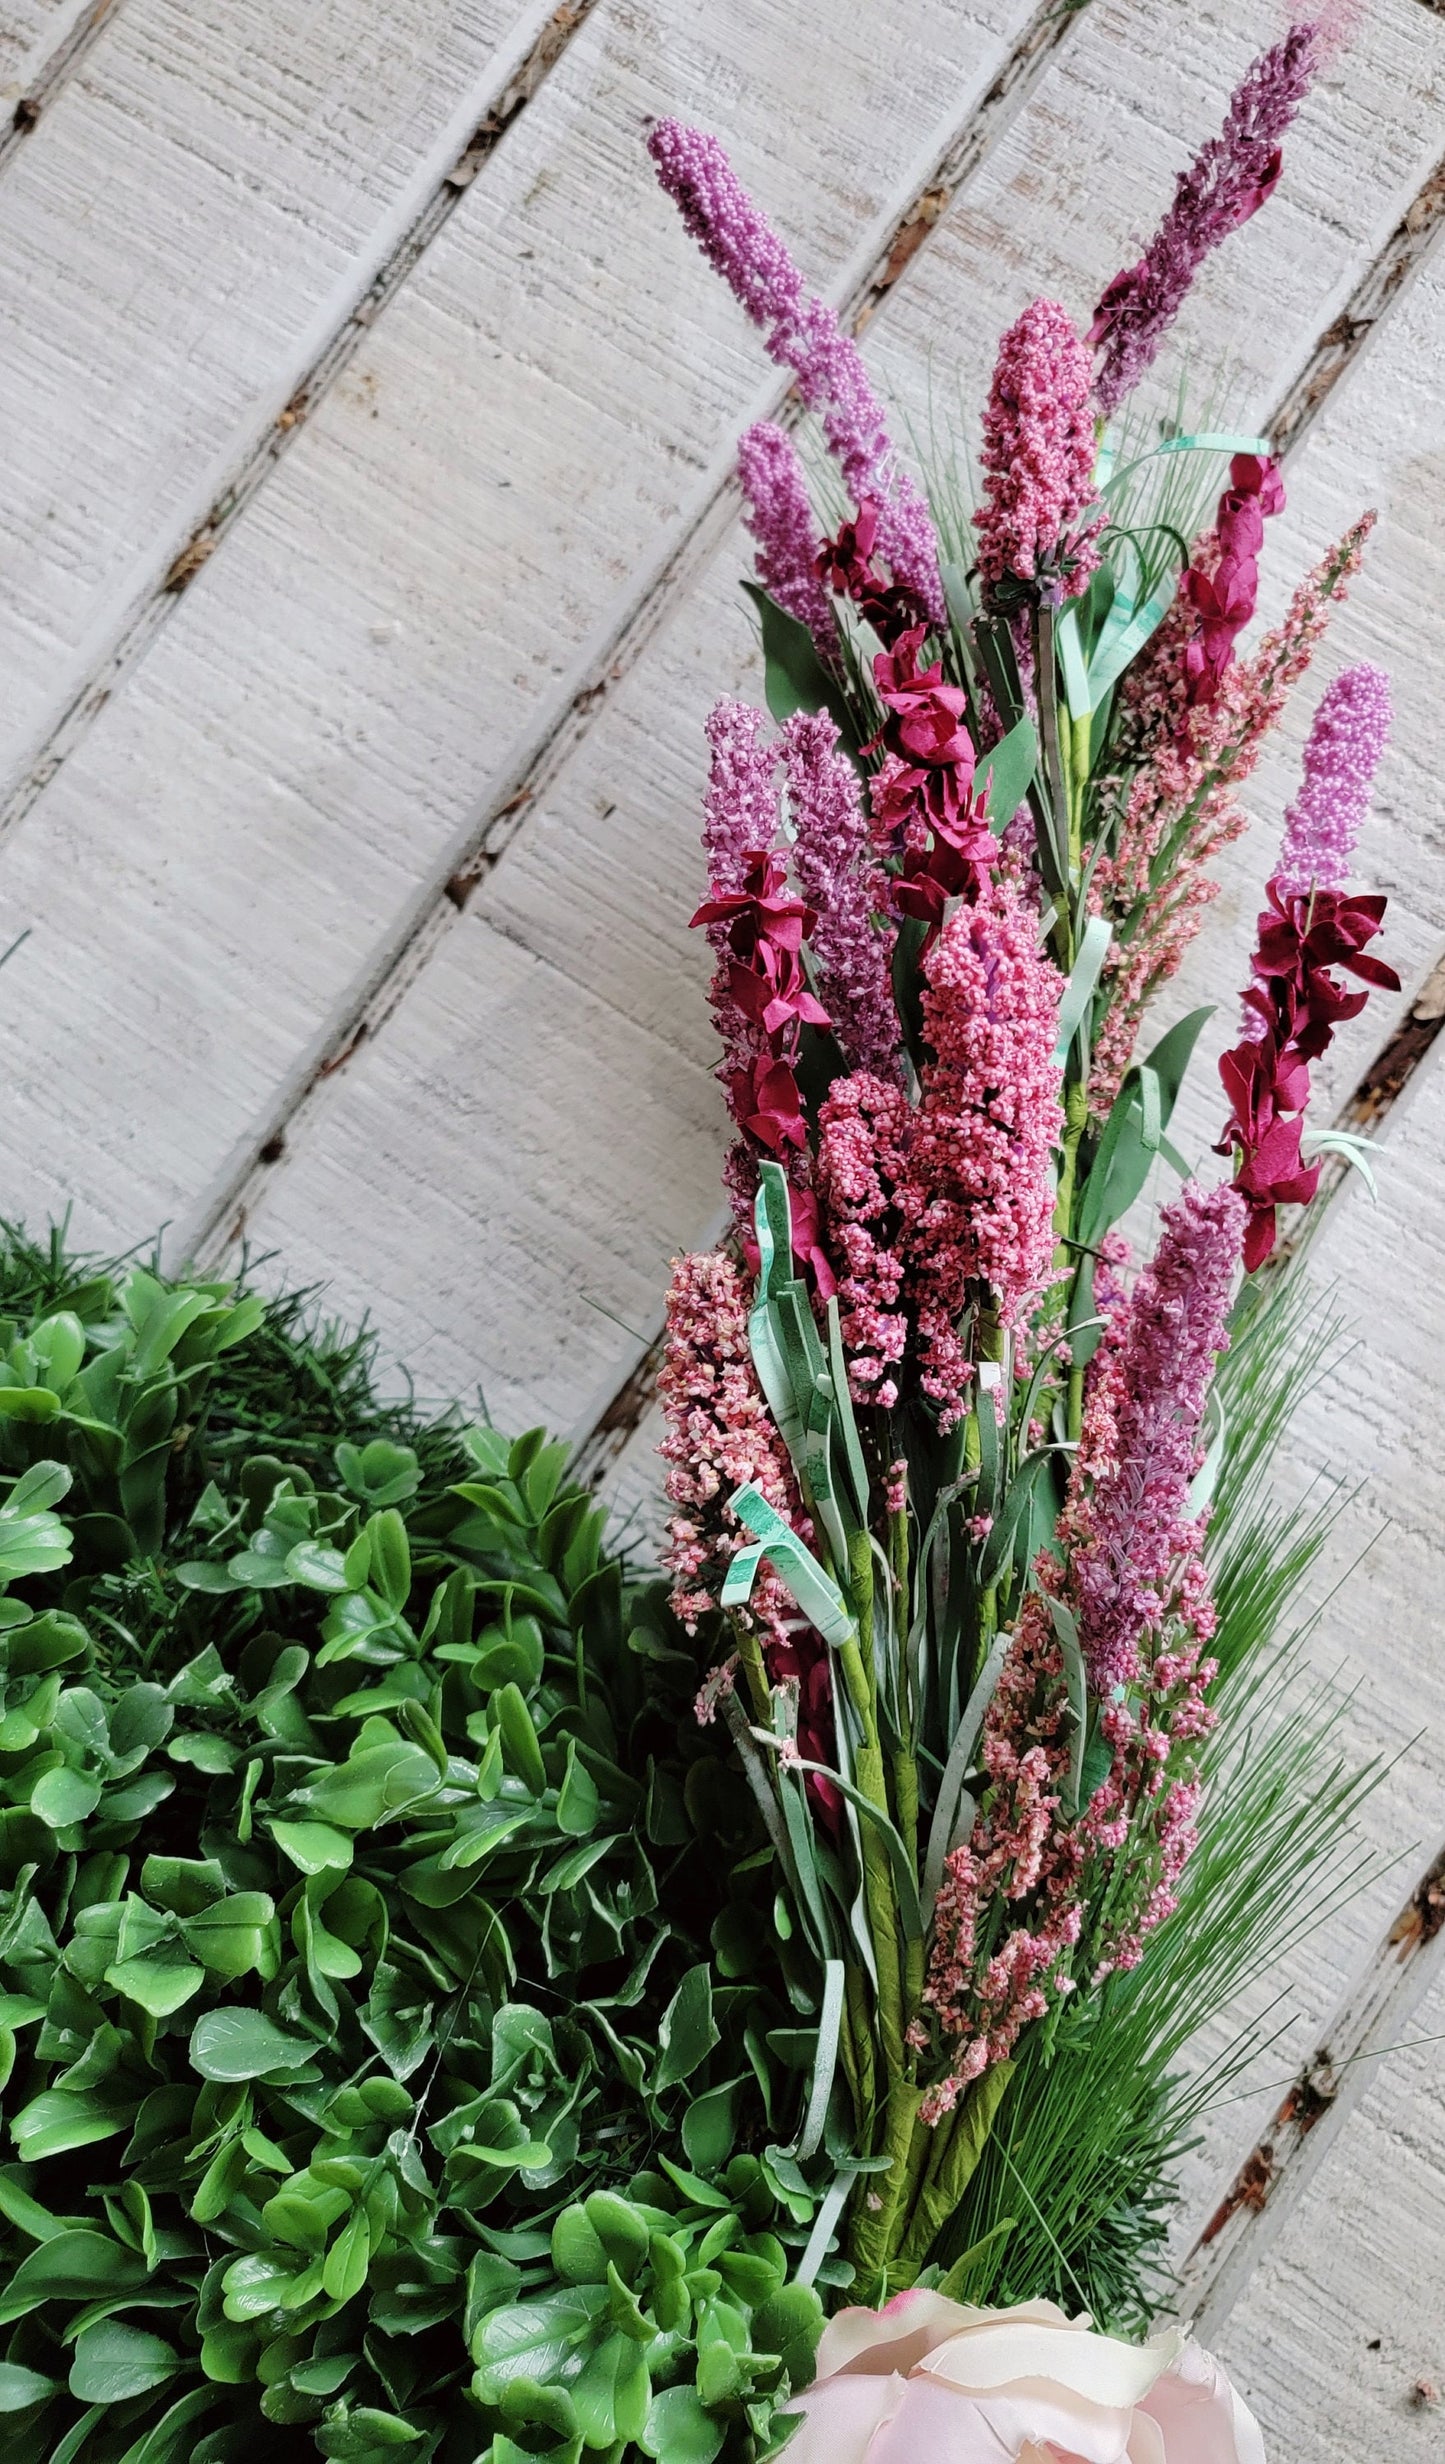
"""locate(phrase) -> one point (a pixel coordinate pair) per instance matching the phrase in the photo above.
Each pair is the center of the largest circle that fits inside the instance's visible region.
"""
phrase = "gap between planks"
(1369, 2023)
(520, 82)
(219, 1221)
(50, 68)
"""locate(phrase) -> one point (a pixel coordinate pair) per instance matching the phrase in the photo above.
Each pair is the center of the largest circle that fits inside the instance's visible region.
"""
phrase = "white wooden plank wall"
(356, 872)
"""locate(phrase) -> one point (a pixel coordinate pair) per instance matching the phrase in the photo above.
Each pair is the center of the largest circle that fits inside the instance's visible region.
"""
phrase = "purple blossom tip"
(1351, 727)
(802, 334)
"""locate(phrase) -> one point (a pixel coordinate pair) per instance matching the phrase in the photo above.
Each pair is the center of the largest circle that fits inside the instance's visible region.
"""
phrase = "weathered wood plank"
(1338, 2342)
(417, 591)
(1377, 2016)
(256, 165)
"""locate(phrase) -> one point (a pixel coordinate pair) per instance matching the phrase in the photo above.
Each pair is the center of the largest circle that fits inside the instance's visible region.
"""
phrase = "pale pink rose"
(929, 2381)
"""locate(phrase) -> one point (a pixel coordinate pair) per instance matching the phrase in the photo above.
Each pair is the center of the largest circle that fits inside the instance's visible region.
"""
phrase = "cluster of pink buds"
(1222, 585)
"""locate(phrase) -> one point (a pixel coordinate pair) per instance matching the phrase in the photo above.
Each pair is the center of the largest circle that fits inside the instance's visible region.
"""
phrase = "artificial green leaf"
(577, 1798)
(613, 2392)
(794, 675)
(381, 1473)
(160, 1986)
(58, 2120)
(344, 2272)
(238, 2043)
(319, 1567)
(20, 2388)
(114, 2362)
(73, 2265)
(1126, 1148)
(688, 2030)
(533, 2339)
(680, 2430)
(1006, 773)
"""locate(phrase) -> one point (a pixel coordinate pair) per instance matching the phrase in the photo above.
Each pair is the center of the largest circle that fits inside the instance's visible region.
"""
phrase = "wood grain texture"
(413, 591)
(254, 161)
(1377, 2017)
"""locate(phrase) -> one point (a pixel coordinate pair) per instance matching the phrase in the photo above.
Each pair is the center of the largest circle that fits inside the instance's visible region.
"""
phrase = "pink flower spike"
(977, 1201)
(1038, 457)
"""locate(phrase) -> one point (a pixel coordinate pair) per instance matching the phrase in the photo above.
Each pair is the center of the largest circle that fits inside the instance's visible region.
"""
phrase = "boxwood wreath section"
(354, 1831)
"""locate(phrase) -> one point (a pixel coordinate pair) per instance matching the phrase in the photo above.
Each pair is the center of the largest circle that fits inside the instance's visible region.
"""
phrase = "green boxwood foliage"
(387, 2042)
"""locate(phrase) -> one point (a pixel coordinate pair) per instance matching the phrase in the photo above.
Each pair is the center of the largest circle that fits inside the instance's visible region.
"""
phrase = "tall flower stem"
(1054, 856)
(855, 1658)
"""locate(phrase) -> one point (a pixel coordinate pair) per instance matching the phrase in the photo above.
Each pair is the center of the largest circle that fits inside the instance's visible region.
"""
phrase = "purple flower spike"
(802, 333)
(1142, 1431)
(1347, 739)
(842, 879)
(780, 518)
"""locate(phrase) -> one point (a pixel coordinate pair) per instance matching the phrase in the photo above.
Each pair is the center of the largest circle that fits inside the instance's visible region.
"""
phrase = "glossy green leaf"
(114, 2362)
(688, 2030)
(20, 2388)
(680, 2430)
(237, 2043)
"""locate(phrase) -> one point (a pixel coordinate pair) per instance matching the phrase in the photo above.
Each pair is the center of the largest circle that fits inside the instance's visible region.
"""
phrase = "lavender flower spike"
(802, 333)
(842, 880)
(1142, 1431)
(1229, 180)
(1346, 741)
(780, 518)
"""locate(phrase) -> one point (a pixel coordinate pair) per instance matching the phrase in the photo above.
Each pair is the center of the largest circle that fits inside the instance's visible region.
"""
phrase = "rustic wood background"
(369, 553)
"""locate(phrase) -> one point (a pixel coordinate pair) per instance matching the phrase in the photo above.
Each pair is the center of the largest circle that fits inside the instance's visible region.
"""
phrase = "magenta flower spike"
(1228, 181)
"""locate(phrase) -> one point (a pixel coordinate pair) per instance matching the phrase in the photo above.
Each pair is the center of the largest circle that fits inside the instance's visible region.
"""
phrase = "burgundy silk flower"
(766, 1103)
(765, 934)
(1292, 1007)
(924, 809)
(1222, 586)
(849, 564)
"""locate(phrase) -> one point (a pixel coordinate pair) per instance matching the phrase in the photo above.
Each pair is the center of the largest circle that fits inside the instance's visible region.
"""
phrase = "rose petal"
(899, 2335)
(939, 2425)
(1009, 2347)
(840, 2417)
(1202, 2420)
(1033, 2414)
